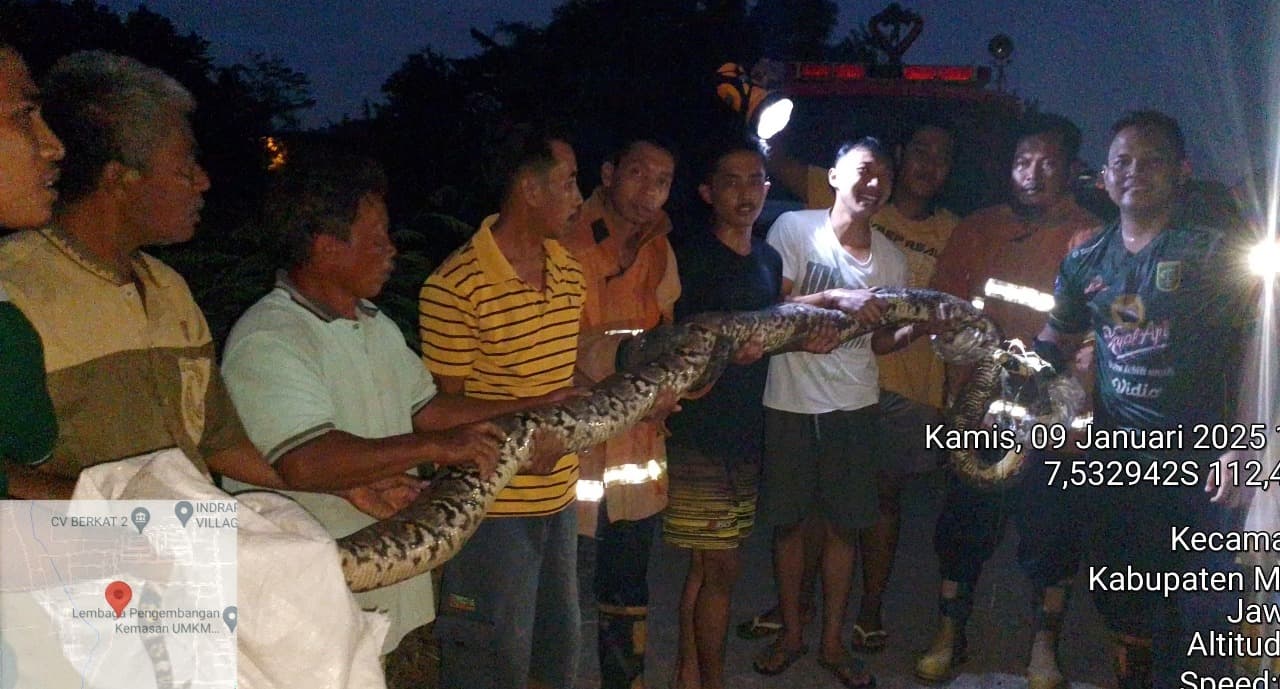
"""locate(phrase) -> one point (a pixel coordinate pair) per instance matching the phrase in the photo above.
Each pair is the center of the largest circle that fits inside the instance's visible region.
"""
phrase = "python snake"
(671, 359)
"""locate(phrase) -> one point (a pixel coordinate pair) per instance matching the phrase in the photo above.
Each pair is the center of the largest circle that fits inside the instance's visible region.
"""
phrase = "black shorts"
(901, 442)
(822, 464)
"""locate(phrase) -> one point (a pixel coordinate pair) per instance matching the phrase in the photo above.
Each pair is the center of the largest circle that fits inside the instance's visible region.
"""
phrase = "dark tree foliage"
(604, 70)
(424, 131)
(857, 46)
(797, 29)
(277, 91)
(237, 106)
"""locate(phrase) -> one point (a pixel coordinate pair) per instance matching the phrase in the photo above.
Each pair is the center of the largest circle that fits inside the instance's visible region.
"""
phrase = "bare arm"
(30, 483)
(339, 461)
(862, 304)
(456, 405)
(244, 463)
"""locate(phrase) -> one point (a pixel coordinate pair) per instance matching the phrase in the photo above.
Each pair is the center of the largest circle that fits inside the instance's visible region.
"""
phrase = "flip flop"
(758, 628)
(846, 671)
(864, 641)
(774, 659)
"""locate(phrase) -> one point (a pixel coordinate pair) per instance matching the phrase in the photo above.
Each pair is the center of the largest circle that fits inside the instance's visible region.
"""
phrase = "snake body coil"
(675, 359)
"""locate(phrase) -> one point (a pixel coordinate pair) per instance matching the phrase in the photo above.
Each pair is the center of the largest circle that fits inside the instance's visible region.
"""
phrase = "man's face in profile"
(29, 151)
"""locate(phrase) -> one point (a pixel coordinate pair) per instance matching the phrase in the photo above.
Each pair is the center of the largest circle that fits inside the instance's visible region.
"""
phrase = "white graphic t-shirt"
(813, 260)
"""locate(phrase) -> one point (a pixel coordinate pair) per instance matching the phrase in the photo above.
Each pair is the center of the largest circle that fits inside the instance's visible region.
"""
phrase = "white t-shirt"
(813, 260)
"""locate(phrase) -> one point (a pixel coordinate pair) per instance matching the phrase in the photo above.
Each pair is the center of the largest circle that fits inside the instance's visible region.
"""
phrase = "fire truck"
(888, 98)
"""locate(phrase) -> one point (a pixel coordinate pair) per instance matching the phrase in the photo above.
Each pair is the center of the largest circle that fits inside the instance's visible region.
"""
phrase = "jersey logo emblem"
(1168, 276)
(1128, 311)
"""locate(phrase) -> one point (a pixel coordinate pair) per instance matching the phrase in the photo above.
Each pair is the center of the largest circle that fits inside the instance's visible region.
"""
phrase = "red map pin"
(118, 595)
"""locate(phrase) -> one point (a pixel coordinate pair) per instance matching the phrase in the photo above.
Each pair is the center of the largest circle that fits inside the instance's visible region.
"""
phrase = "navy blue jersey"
(728, 421)
(1166, 320)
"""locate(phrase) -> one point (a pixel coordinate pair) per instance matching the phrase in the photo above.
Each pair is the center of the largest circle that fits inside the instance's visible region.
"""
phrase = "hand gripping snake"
(671, 359)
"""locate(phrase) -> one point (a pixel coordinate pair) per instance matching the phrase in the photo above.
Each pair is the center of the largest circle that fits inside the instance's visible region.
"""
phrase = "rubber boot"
(622, 632)
(950, 646)
(1043, 671)
(1133, 663)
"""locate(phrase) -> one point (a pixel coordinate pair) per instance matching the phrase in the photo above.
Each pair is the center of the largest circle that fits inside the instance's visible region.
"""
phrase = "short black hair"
(866, 143)
(1154, 119)
(1041, 123)
(317, 192)
(719, 148)
(906, 134)
(519, 148)
(625, 143)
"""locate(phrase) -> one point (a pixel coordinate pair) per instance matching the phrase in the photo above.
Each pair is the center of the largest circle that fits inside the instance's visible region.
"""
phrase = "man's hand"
(666, 404)
(750, 351)
(1083, 363)
(862, 304)
(933, 326)
(1220, 484)
(473, 443)
(30, 483)
(548, 448)
(563, 395)
(382, 499)
(822, 339)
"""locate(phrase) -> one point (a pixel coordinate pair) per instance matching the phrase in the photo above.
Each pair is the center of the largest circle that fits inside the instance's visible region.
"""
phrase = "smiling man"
(1170, 302)
(910, 381)
(821, 408)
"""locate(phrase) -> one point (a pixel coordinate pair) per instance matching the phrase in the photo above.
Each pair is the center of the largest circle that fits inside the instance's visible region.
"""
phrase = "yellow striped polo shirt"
(480, 322)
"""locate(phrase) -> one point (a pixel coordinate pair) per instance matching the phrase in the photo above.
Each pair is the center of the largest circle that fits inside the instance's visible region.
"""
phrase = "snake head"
(1032, 387)
(650, 345)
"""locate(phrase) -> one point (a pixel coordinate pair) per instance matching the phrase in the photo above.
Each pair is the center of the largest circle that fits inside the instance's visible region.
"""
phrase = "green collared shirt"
(297, 371)
(27, 425)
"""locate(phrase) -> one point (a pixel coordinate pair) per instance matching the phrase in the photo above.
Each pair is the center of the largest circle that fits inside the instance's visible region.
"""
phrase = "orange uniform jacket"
(631, 283)
(996, 243)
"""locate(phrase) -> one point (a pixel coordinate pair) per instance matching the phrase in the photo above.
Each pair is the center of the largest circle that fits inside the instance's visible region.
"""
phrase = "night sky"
(1204, 62)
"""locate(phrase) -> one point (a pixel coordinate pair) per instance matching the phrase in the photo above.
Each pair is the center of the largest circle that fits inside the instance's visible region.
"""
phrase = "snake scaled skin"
(673, 359)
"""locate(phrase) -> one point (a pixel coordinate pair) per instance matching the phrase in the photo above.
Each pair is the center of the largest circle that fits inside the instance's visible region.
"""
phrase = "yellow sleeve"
(448, 328)
(818, 192)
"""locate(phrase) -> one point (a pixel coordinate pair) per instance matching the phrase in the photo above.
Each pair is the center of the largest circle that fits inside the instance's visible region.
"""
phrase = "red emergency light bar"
(939, 73)
(851, 72)
(814, 71)
(822, 71)
(826, 71)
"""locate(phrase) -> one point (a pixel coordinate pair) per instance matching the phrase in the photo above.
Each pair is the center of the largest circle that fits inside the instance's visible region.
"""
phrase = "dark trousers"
(973, 521)
(1131, 528)
(622, 594)
(509, 605)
